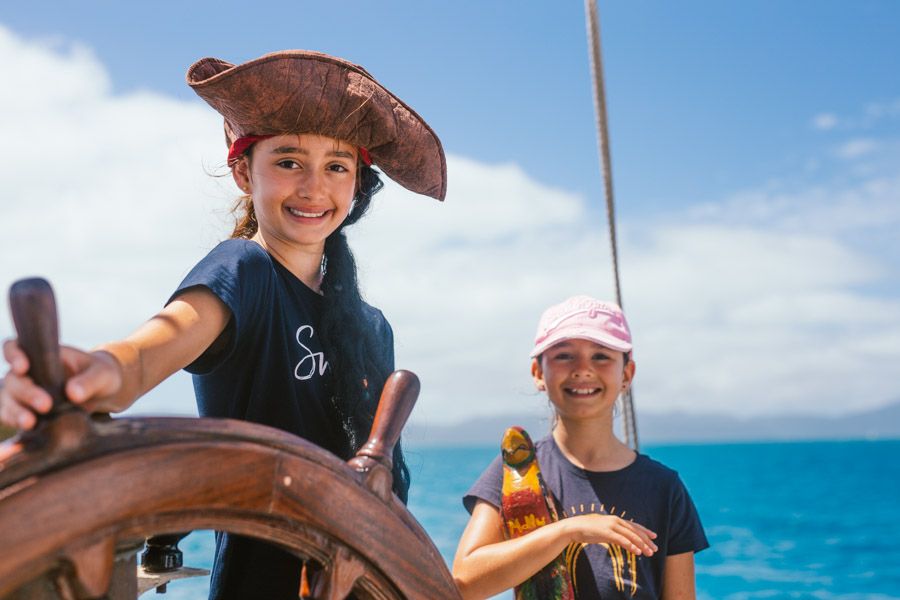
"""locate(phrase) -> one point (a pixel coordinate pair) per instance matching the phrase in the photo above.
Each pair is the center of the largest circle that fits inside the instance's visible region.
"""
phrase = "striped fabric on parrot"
(526, 505)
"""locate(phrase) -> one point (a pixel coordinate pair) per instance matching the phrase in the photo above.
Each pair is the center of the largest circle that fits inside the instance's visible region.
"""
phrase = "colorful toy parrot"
(526, 504)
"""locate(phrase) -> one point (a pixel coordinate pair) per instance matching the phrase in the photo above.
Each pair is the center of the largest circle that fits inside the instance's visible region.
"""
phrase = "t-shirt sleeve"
(488, 487)
(384, 335)
(239, 273)
(685, 530)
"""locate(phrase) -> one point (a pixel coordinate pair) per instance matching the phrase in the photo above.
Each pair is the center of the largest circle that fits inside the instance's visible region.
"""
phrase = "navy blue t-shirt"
(268, 366)
(645, 491)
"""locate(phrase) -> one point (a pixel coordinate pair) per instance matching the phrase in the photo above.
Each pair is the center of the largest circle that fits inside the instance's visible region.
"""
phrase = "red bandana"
(240, 145)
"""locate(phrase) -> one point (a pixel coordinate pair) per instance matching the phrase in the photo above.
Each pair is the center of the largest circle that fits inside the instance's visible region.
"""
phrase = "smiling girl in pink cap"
(629, 527)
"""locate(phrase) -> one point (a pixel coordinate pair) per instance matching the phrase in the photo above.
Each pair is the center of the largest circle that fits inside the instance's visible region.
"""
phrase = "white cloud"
(104, 195)
(870, 116)
(749, 305)
(751, 322)
(825, 121)
(69, 71)
(837, 208)
(856, 148)
(750, 308)
(882, 110)
(464, 282)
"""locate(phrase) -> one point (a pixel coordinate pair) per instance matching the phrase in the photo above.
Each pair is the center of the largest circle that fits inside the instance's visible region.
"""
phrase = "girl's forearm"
(169, 341)
(491, 569)
(126, 356)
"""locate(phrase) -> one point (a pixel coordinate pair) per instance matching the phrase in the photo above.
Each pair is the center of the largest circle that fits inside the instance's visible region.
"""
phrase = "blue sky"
(704, 98)
(755, 148)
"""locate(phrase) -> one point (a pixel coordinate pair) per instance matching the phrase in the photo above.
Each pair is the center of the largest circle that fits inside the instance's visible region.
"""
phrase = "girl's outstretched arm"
(486, 564)
(678, 577)
(113, 376)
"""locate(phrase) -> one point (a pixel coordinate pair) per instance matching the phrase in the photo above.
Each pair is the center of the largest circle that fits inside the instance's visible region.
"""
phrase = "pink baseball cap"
(583, 317)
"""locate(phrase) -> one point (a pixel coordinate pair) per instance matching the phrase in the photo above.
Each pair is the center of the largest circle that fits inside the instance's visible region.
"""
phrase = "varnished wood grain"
(33, 309)
(79, 487)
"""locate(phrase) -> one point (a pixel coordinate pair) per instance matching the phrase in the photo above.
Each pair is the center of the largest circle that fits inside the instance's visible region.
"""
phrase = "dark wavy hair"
(358, 363)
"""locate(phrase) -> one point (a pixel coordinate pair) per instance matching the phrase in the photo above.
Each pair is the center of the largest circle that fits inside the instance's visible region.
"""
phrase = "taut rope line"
(593, 31)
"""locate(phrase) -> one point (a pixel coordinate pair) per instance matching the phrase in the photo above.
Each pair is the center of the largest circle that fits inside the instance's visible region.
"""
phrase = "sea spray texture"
(526, 505)
(784, 520)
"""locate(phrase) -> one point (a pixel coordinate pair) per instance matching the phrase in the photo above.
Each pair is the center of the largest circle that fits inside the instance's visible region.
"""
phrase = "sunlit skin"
(302, 188)
(582, 380)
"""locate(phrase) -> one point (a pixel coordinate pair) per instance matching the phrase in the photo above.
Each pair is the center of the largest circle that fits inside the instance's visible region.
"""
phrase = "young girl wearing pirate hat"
(271, 323)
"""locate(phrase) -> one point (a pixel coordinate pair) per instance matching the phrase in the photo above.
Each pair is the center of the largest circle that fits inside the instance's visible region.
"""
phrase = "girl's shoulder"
(240, 250)
(656, 470)
(375, 318)
(238, 271)
(241, 262)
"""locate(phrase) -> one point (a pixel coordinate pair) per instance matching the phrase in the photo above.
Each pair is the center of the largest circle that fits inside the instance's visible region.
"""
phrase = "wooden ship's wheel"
(79, 495)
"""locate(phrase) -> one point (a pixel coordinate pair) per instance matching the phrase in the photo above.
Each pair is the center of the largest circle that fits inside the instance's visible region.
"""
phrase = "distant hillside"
(882, 423)
(680, 427)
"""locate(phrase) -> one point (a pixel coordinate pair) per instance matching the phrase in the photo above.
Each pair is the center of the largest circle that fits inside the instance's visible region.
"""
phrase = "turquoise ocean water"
(817, 520)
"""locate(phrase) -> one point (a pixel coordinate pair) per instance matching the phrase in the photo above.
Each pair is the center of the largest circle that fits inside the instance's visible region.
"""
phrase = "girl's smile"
(582, 391)
(300, 214)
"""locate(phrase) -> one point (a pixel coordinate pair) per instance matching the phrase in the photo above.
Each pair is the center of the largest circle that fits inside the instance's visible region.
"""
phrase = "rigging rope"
(593, 31)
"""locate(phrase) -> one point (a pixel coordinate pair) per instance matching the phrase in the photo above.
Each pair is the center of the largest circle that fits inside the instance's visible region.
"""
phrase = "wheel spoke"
(338, 579)
(94, 566)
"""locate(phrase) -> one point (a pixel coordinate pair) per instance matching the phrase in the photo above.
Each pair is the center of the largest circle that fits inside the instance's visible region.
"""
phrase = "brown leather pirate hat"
(300, 91)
